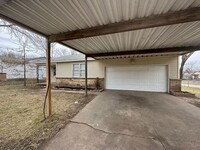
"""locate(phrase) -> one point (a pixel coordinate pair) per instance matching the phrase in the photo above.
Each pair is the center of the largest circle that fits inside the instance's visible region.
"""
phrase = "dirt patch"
(193, 101)
(21, 125)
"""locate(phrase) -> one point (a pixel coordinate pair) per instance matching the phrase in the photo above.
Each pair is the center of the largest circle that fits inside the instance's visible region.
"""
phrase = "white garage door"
(138, 78)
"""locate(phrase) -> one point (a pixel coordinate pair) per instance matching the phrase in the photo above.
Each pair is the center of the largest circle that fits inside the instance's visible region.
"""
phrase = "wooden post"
(48, 78)
(86, 75)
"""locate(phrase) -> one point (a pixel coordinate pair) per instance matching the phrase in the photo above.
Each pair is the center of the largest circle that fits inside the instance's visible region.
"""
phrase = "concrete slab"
(83, 137)
(132, 120)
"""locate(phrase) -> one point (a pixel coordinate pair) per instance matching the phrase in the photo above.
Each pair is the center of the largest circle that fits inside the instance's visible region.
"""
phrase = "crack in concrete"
(158, 139)
(155, 138)
(107, 132)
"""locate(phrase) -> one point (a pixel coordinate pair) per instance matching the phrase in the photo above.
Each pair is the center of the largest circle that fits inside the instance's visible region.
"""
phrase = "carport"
(109, 29)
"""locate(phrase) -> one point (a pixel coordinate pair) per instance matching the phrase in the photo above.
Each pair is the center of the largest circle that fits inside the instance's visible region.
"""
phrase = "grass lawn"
(21, 125)
(196, 91)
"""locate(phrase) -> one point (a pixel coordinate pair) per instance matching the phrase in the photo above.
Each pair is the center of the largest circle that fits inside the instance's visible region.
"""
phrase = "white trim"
(178, 67)
(168, 80)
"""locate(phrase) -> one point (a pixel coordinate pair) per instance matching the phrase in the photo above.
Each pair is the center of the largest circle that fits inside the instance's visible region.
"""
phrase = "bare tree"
(59, 50)
(10, 57)
(185, 57)
(38, 42)
(4, 25)
(25, 45)
(25, 40)
(189, 68)
(31, 42)
(10, 62)
(24, 52)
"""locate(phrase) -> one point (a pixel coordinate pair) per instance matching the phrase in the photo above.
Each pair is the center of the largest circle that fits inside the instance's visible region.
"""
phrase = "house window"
(54, 71)
(78, 70)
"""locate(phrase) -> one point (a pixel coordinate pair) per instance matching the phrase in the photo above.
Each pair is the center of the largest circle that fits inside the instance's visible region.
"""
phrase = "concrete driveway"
(120, 120)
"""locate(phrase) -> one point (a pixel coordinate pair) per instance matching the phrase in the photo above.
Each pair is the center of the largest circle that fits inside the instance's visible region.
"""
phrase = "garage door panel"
(139, 78)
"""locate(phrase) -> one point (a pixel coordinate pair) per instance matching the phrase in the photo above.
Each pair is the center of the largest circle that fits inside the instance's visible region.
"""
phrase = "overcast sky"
(7, 42)
(195, 57)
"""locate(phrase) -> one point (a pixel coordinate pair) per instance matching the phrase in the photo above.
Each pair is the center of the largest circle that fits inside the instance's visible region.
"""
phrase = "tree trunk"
(37, 73)
(181, 69)
(184, 59)
(24, 65)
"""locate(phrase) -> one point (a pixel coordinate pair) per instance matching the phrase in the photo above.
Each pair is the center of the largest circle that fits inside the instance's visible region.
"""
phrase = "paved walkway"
(126, 120)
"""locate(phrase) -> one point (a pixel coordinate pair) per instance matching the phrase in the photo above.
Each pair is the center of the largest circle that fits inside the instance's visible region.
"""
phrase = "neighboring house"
(192, 76)
(14, 69)
(196, 75)
(38, 72)
(152, 73)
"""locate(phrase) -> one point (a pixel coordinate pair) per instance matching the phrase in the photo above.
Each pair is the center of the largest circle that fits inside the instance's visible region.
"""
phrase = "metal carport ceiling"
(180, 35)
(49, 17)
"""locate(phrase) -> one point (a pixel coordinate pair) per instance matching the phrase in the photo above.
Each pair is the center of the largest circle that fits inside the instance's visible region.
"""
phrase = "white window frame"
(79, 70)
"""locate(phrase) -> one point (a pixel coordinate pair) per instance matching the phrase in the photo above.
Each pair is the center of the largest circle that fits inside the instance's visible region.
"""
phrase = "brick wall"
(2, 76)
(175, 85)
(80, 82)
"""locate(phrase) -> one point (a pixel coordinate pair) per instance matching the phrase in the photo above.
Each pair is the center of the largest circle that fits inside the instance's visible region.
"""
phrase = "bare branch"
(34, 42)
(2, 25)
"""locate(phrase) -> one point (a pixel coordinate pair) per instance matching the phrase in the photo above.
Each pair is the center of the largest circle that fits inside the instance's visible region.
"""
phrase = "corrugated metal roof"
(180, 35)
(2, 2)
(50, 16)
(56, 16)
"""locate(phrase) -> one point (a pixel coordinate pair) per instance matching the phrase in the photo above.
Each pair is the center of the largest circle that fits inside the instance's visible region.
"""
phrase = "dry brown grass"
(195, 91)
(193, 101)
(21, 125)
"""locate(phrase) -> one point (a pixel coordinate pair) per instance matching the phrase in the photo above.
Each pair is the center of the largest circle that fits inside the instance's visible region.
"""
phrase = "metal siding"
(65, 69)
(171, 61)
